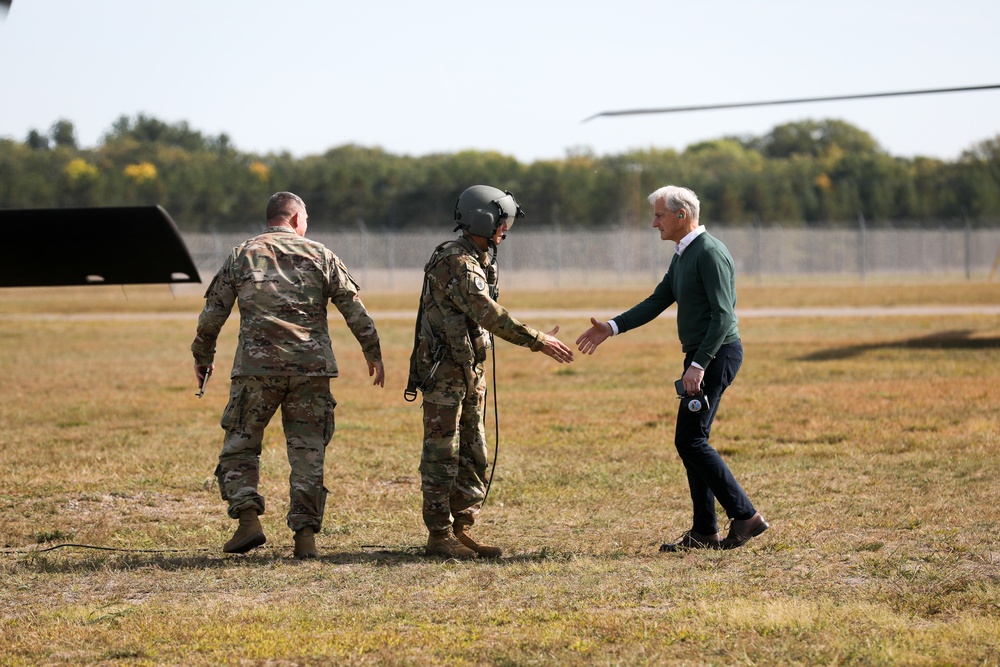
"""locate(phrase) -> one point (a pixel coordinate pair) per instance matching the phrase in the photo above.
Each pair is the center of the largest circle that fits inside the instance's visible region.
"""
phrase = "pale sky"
(516, 77)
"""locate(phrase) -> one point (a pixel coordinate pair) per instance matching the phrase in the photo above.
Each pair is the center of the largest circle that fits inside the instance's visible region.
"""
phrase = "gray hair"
(284, 204)
(677, 198)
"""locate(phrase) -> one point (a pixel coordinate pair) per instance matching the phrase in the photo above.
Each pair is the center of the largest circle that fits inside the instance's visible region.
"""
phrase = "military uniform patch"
(480, 284)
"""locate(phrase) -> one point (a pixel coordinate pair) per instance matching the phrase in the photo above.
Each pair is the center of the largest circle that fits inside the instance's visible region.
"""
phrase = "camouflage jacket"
(282, 283)
(458, 309)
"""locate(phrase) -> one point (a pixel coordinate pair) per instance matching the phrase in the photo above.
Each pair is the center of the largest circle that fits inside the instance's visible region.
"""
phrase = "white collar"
(679, 248)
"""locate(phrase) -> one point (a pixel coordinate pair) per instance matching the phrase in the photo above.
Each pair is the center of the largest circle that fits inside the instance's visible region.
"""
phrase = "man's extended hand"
(555, 348)
(377, 369)
(594, 336)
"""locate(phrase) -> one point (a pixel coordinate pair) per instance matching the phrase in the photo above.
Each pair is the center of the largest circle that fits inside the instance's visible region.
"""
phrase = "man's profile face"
(667, 221)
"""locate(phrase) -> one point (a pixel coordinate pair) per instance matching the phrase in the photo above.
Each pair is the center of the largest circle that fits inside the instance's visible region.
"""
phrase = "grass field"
(871, 444)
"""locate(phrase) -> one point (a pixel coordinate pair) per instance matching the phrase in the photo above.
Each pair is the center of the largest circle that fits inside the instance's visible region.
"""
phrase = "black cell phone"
(679, 387)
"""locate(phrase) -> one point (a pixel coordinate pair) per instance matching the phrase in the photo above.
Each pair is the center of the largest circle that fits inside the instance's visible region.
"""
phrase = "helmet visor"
(510, 211)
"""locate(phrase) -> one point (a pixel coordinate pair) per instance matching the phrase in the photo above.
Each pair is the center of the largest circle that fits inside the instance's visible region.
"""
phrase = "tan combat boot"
(305, 543)
(443, 543)
(486, 551)
(248, 535)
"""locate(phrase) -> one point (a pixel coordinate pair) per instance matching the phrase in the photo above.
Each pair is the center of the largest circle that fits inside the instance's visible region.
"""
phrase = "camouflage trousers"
(307, 417)
(453, 460)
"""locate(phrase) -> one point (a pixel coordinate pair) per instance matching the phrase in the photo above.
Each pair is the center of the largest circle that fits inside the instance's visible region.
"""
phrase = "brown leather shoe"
(249, 534)
(692, 539)
(305, 543)
(444, 544)
(741, 530)
(484, 550)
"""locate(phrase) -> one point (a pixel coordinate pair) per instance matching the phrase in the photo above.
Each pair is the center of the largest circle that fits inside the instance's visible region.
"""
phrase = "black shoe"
(693, 540)
(742, 530)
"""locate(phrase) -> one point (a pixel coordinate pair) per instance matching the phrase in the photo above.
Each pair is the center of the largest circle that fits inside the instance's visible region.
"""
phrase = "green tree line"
(804, 173)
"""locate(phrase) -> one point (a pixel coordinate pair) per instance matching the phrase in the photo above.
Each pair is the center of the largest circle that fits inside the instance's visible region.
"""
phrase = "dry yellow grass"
(871, 444)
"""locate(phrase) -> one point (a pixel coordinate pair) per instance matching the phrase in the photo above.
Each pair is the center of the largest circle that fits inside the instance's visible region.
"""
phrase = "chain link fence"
(630, 257)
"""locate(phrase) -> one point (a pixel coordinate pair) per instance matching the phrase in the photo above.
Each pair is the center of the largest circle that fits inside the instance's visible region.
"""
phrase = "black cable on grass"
(99, 548)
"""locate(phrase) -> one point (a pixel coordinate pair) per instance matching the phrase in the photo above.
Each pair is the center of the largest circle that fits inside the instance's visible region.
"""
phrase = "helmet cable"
(495, 289)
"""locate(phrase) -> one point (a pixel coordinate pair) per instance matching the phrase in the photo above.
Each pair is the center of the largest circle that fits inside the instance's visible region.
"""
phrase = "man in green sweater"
(701, 280)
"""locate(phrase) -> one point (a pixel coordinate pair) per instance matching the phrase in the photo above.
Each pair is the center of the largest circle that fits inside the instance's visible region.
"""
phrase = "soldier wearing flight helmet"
(456, 322)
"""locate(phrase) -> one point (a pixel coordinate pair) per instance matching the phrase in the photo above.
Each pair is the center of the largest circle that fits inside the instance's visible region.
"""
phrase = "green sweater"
(702, 281)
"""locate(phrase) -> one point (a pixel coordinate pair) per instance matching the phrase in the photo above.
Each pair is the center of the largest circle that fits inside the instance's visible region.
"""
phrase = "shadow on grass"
(944, 340)
(119, 561)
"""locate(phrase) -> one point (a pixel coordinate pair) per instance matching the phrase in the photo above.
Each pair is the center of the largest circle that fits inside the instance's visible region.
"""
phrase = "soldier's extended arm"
(472, 297)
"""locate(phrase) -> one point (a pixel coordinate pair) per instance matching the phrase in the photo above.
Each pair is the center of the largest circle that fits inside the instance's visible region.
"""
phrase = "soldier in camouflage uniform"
(458, 316)
(282, 282)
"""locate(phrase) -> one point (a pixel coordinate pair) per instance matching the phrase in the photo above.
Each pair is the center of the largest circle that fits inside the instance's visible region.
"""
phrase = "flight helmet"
(481, 209)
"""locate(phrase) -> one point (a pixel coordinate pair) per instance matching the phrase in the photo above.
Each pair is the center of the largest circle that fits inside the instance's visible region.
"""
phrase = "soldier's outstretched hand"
(377, 370)
(556, 349)
(594, 336)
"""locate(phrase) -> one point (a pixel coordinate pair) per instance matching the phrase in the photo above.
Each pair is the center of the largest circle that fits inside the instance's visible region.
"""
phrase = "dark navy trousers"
(709, 478)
